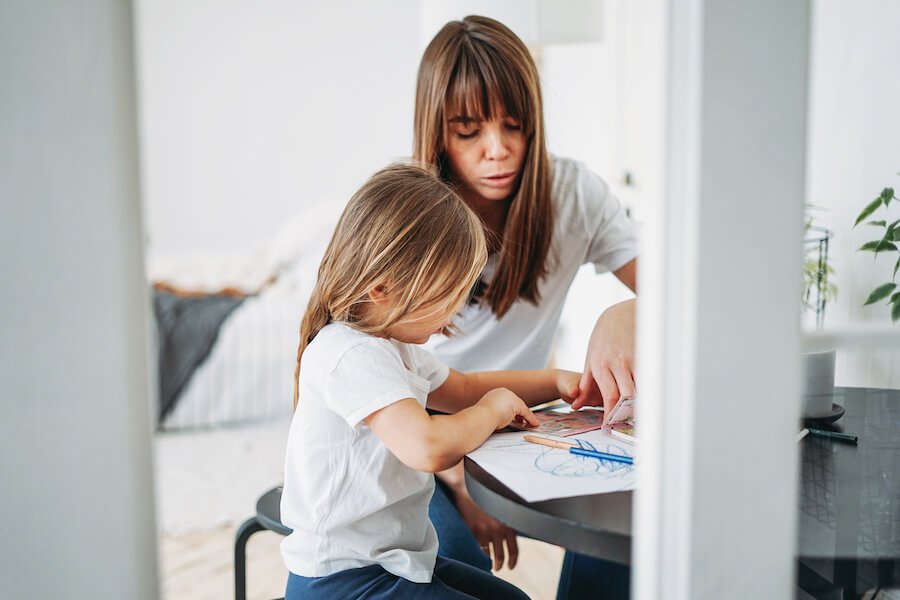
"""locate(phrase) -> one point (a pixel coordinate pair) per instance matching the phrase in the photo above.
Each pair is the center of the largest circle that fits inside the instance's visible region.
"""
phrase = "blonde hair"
(403, 228)
(477, 68)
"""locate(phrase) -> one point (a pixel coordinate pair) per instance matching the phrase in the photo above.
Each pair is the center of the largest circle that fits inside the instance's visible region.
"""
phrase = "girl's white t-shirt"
(350, 502)
(590, 227)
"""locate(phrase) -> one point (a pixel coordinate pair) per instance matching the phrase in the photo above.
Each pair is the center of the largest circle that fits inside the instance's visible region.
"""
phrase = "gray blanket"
(187, 329)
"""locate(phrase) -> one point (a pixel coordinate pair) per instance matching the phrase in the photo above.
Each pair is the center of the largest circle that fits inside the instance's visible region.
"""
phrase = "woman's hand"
(490, 533)
(609, 365)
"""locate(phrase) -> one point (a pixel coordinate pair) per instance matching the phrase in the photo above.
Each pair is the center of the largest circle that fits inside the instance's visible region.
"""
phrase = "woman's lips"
(502, 180)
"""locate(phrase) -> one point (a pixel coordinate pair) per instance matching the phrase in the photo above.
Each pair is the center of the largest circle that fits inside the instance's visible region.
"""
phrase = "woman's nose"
(496, 146)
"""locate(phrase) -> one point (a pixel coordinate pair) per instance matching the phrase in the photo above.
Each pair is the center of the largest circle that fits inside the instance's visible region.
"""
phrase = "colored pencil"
(834, 435)
(553, 443)
(574, 449)
(602, 455)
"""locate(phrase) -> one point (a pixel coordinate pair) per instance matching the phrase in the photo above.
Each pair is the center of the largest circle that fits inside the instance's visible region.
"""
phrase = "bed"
(227, 327)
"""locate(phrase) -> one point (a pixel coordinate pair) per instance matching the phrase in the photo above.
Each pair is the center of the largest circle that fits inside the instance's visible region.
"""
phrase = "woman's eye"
(513, 126)
(467, 134)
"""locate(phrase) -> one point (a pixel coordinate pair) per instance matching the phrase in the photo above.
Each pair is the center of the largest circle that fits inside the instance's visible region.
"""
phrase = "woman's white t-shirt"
(349, 500)
(590, 226)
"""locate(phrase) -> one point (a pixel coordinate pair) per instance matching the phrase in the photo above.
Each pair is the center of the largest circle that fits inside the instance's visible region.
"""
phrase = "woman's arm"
(490, 533)
(437, 442)
(628, 275)
(609, 365)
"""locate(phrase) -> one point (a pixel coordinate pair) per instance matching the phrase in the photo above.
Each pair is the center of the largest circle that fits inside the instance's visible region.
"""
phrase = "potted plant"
(818, 287)
(886, 243)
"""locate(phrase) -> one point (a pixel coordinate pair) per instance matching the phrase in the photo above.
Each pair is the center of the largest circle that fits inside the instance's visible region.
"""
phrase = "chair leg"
(247, 528)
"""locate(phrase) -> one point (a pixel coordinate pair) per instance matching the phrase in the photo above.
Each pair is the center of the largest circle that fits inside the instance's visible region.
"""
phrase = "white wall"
(253, 111)
(854, 152)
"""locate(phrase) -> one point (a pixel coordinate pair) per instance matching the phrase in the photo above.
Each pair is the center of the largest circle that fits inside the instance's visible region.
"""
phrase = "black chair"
(268, 516)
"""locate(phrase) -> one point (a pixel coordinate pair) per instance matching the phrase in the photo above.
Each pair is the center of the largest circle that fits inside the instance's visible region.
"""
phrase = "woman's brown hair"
(407, 230)
(479, 68)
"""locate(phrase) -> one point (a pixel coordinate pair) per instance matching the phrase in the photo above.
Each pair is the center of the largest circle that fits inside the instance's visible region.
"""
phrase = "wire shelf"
(816, 272)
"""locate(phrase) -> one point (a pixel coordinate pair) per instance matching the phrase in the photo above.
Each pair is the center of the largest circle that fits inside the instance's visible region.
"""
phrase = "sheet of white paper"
(537, 472)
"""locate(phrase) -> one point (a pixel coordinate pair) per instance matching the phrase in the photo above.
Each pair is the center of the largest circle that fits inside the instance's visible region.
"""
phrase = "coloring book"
(621, 421)
(565, 421)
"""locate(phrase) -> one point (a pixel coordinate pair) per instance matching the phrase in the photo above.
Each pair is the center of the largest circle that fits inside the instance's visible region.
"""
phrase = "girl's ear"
(378, 294)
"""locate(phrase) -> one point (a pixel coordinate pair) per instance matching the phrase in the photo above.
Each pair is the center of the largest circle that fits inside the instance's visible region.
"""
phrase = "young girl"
(361, 449)
(479, 120)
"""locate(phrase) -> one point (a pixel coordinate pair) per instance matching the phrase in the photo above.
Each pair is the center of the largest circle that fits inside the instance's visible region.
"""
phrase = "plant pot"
(818, 382)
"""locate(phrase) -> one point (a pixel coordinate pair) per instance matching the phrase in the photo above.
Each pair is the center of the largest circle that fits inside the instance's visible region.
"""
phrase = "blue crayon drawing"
(562, 463)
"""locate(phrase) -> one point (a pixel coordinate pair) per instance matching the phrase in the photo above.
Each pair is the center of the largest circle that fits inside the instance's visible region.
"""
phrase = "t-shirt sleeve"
(612, 242)
(428, 366)
(366, 378)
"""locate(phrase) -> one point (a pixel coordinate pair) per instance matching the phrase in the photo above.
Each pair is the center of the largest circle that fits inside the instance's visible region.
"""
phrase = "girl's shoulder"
(338, 341)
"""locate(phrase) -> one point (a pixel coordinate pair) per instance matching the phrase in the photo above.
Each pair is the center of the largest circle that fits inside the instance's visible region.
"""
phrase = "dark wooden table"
(849, 501)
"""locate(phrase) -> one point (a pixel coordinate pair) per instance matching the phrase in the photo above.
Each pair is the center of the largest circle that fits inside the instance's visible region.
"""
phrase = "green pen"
(834, 435)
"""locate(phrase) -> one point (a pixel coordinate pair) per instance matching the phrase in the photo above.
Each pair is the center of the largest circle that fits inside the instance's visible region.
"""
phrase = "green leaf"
(881, 223)
(886, 195)
(895, 311)
(869, 246)
(889, 234)
(868, 210)
(881, 292)
(877, 246)
(896, 268)
(897, 234)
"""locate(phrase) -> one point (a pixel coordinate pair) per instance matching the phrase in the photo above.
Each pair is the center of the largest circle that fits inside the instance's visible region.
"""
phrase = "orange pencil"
(535, 439)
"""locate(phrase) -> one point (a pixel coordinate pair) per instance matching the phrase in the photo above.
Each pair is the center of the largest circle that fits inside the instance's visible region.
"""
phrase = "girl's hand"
(567, 386)
(507, 407)
(609, 366)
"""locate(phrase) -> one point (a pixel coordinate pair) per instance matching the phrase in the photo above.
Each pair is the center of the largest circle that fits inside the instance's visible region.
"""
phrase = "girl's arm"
(462, 390)
(458, 392)
(433, 443)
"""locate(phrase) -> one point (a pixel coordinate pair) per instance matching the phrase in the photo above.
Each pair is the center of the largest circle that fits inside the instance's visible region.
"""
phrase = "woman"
(479, 121)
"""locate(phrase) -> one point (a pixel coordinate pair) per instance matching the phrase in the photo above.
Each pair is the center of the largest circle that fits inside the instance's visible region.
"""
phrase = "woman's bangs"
(482, 89)
(466, 97)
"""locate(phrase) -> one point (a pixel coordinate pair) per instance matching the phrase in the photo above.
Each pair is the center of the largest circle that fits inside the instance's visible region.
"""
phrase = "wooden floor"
(199, 566)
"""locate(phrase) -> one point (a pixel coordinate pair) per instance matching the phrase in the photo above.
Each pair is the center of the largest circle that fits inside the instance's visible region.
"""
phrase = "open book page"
(565, 421)
(626, 434)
